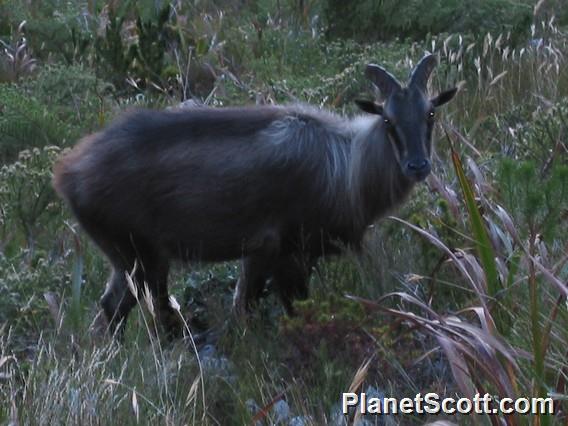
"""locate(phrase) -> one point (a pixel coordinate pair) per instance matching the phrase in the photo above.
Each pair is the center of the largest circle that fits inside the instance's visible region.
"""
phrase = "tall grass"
(507, 339)
(488, 313)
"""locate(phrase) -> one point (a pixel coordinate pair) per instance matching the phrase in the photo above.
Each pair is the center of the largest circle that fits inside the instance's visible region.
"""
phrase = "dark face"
(408, 117)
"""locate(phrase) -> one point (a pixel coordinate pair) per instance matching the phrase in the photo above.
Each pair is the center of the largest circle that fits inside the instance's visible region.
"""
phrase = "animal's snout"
(419, 169)
(418, 166)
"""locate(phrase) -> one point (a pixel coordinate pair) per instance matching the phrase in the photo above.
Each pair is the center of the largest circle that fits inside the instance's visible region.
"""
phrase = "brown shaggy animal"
(277, 187)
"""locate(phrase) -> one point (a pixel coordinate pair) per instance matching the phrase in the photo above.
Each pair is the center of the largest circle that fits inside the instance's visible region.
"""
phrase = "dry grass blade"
(360, 375)
(458, 365)
(473, 352)
(478, 287)
(135, 406)
(192, 391)
(508, 222)
(5, 359)
(378, 306)
(485, 320)
(478, 177)
(130, 282)
(548, 274)
(485, 340)
(537, 7)
(176, 306)
(54, 307)
(498, 77)
(550, 277)
(149, 301)
(357, 382)
(462, 139)
(412, 299)
(474, 268)
(482, 351)
(447, 193)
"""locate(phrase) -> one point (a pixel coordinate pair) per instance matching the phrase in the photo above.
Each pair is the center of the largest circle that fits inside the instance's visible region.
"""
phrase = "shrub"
(54, 29)
(27, 198)
(538, 201)
(16, 59)
(26, 123)
(133, 46)
(389, 19)
(23, 283)
(72, 93)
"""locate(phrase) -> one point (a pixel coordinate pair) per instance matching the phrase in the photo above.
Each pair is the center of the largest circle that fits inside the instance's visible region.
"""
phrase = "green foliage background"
(67, 68)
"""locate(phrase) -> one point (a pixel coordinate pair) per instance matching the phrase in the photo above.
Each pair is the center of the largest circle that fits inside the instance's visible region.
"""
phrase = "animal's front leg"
(255, 270)
(291, 276)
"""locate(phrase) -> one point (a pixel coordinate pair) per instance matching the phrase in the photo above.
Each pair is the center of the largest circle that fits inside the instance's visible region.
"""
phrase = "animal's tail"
(66, 177)
(61, 174)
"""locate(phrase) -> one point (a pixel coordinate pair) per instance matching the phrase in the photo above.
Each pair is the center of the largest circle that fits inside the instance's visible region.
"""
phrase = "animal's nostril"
(418, 165)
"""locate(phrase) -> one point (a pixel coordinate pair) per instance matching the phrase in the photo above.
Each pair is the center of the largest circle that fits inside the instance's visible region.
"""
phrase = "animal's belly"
(265, 242)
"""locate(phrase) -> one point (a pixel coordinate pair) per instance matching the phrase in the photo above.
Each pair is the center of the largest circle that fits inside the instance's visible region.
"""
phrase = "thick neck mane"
(353, 163)
(376, 184)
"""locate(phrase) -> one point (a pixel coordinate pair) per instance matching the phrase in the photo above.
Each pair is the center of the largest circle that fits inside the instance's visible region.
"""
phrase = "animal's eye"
(431, 114)
(387, 121)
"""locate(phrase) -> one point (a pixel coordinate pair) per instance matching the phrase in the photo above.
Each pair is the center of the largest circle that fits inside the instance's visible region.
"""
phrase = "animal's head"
(408, 114)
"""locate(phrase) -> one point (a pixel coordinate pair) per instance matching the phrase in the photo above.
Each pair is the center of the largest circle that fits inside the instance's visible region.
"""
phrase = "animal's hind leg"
(155, 269)
(254, 273)
(290, 277)
(125, 250)
(117, 300)
(151, 270)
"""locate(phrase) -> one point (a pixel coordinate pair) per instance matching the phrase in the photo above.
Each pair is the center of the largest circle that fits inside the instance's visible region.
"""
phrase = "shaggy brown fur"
(277, 187)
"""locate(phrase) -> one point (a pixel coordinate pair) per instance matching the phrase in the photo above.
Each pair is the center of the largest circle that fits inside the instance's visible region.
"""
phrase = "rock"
(337, 417)
(281, 412)
(300, 421)
(216, 365)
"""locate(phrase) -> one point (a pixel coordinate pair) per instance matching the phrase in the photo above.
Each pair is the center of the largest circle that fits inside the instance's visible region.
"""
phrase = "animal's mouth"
(418, 176)
(417, 170)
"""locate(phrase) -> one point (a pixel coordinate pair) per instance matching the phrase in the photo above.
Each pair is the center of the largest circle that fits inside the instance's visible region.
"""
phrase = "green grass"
(465, 291)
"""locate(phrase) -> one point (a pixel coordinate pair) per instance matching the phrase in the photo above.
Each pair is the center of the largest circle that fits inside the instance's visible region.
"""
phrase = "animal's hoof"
(172, 323)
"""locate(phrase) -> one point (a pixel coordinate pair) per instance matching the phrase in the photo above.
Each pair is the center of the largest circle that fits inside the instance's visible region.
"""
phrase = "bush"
(133, 47)
(26, 123)
(538, 201)
(22, 306)
(71, 92)
(54, 29)
(389, 19)
(27, 198)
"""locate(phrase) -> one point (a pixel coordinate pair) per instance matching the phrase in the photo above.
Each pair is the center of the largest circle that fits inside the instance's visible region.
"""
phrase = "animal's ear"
(369, 106)
(384, 80)
(444, 97)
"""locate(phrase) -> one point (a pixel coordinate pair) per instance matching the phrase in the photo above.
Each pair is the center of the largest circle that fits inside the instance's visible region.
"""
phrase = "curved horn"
(384, 80)
(421, 74)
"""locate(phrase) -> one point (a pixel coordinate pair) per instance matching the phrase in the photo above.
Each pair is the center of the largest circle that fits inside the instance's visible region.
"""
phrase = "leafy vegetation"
(464, 291)
(390, 19)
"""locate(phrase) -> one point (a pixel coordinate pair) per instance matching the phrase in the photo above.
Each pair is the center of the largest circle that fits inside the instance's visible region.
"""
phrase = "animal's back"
(206, 183)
